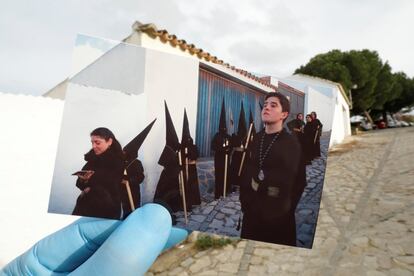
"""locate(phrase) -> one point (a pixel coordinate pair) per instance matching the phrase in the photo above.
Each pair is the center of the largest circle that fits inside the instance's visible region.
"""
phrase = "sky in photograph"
(264, 37)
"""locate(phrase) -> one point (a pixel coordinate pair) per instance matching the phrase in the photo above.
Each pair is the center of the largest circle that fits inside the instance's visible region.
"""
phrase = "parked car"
(361, 122)
(380, 124)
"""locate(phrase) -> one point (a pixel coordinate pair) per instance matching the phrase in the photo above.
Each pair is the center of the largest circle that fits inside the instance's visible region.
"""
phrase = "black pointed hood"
(241, 128)
(222, 124)
(171, 134)
(186, 139)
(132, 148)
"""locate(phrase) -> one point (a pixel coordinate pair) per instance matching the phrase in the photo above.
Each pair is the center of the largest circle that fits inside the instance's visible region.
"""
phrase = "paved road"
(365, 225)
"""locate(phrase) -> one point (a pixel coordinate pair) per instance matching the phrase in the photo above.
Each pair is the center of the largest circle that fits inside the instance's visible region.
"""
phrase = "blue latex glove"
(92, 246)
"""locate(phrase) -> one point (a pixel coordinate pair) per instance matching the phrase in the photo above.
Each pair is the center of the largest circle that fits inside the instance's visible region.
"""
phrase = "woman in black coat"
(100, 178)
(308, 138)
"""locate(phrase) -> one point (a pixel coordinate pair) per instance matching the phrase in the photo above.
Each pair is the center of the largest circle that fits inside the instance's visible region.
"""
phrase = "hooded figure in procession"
(222, 147)
(133, 173)
(238, 142)
(168, 191)
(189, 153)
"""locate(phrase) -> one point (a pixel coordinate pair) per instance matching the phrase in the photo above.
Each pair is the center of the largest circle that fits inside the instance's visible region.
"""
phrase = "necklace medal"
(263, 155)
(261, 175)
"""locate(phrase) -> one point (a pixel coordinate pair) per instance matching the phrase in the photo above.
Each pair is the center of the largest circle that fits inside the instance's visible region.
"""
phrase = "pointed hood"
(241, 128)
(171, 134)
(222, 124)
(186, 139)
(251, 121)
(132, 148)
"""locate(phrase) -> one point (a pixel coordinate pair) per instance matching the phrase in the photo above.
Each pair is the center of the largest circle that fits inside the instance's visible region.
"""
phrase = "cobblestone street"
(222, 216)
(365, 224)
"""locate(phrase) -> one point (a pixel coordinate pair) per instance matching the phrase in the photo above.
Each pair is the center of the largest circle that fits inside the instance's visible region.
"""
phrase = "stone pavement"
(222, 216)
(365, 224)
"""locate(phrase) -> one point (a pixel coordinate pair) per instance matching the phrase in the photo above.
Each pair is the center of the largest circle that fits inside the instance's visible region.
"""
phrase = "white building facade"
(329, 100)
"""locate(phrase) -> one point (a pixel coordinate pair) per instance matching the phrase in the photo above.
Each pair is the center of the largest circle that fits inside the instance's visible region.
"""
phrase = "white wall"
(121, 69)
(28, 145)
(341, 120)
(322, 105)
(174, 79)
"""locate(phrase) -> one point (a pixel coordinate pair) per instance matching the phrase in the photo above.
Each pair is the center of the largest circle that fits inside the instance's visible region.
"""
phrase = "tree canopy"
(370, 80)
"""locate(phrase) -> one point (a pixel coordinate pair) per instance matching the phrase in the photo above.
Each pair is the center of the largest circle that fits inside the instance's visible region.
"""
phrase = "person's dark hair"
(284, 102)
(309, 115)
(297, 115)
(313, 112)
(105, 133)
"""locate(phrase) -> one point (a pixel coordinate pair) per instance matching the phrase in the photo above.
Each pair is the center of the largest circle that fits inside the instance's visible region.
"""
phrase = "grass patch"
(205, 242)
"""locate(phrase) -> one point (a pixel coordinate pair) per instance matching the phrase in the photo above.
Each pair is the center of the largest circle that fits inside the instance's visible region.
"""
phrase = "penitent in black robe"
(270, 217)
(192, 191)
(220, 150)
(168, 189)
(135, 176)
(236, 158)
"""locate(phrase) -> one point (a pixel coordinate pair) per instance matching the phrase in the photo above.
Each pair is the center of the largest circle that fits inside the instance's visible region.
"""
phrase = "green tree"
(402, 94)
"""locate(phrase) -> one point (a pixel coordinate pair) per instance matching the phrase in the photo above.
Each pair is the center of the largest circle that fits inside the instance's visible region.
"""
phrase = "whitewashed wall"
(174, 79)
(341, 120)
(28, 144)
(322, 105)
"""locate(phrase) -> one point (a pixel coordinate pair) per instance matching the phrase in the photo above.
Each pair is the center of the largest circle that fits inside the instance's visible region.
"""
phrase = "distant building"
(329, 100)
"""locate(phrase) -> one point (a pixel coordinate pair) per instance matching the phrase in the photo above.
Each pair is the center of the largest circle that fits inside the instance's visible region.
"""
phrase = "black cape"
(168, 189)
(317, 129)
(272, 218)
(236, 158)
(135, 176)
(192, 191)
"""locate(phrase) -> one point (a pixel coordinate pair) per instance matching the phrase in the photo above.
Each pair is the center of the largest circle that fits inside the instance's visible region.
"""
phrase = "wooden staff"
(226, 158)
(126, 182)
(186, 163)
(316, 134)
(181, 180)
(244, 152)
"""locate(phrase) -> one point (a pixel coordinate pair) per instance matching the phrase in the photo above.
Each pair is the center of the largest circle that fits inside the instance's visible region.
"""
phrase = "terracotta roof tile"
(152, 30)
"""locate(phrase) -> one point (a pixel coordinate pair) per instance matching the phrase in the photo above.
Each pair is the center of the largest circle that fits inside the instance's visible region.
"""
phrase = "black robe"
(317, 128)
(308, 142)
(192, 191)
(168, 192)
(220, 150)
(271, 218)
(103, 199)
(135, 176)
(236, 158)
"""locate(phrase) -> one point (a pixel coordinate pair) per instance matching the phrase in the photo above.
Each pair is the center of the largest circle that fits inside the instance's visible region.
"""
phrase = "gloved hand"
(92, 246)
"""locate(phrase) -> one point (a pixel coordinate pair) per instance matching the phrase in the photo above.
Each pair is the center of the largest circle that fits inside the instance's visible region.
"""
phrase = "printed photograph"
(224, 150)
